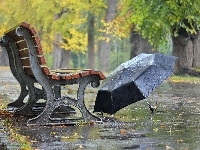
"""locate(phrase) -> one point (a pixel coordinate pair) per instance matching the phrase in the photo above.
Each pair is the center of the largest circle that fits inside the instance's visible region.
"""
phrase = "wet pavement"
(175, 125)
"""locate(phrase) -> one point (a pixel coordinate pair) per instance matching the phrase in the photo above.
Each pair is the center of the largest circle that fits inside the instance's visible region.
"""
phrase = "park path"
(9, 91)
(9, 88)
(174, 126)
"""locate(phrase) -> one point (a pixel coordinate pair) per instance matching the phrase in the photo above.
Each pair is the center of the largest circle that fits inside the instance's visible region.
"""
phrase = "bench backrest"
(27, 44)
(23, 48)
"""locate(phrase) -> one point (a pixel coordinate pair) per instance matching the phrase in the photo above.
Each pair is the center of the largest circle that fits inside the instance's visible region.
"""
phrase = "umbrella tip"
(152, 108)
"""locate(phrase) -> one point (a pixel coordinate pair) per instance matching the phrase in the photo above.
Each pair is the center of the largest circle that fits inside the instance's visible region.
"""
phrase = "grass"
(184, 79)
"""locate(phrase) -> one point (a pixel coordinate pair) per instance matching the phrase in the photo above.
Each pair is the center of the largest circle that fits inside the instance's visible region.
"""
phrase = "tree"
(64, 18)
(158, 19)
(61, 57)
(105, 44)
(139, 44)
(90, 32)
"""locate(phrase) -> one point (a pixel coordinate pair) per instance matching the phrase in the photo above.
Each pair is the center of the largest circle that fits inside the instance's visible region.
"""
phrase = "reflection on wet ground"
(175, 125)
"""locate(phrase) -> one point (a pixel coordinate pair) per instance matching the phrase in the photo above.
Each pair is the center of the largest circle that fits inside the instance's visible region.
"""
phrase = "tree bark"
(90, 41)
(139, 45)
(104, 58)
(61, 57)
(196, 50)
(183, 49)
(186, 48)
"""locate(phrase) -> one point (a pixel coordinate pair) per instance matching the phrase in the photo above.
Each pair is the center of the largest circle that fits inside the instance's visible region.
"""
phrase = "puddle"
(175, 125)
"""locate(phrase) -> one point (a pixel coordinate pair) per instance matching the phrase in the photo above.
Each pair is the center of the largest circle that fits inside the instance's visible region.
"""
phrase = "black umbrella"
(133, 81)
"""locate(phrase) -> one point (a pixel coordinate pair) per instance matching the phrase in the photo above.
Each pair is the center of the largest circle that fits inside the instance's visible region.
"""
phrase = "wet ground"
(175, 125)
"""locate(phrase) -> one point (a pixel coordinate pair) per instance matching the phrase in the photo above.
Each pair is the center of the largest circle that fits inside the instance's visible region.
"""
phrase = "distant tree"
(139, 44)
(105, 47)
(64, 18)
(158, 19)
(91, 36)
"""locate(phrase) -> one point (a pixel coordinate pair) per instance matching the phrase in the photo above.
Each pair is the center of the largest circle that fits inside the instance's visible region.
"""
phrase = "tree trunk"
(139, 45)
(61, 57)
(183, 49)
(186, 48)
(90, 41)
(104, 58)
(196, 50)
(65, 59)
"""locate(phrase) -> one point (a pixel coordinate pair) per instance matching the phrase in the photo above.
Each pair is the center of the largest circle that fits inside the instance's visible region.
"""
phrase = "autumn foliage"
(65, 17)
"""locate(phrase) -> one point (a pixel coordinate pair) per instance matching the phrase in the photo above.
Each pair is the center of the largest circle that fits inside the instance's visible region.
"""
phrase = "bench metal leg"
(45, 117)
(80, 104)
(57, 91)
(33, 108)
(19, 101)
(34, 95)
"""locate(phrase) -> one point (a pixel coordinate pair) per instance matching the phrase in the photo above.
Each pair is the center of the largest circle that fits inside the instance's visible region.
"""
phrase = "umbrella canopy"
(133, 81)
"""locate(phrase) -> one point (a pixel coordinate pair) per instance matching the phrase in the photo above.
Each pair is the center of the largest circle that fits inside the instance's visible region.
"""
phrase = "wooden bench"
(28, 66)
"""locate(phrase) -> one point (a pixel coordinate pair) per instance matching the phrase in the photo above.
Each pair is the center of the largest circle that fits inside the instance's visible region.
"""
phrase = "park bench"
(28, 66)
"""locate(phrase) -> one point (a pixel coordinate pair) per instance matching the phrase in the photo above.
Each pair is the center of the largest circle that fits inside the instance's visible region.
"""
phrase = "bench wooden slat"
(46, 70)
(77, 73)
(21, 45)
(24, 53)
(100, 74)
(42, 60)
(39, 50)
(25, 24)
(25, 62)
(84, 73)
(55, 77)
(28, 71)
(33, 31)
(36, 40)
(66, 77)
(75, 76)
(66, 71)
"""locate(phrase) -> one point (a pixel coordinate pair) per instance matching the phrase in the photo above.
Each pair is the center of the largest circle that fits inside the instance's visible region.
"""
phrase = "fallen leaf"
(65, 137)
(81, 146)
(123, 131)
(155, 129)
(162, 125)
(179, 140)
